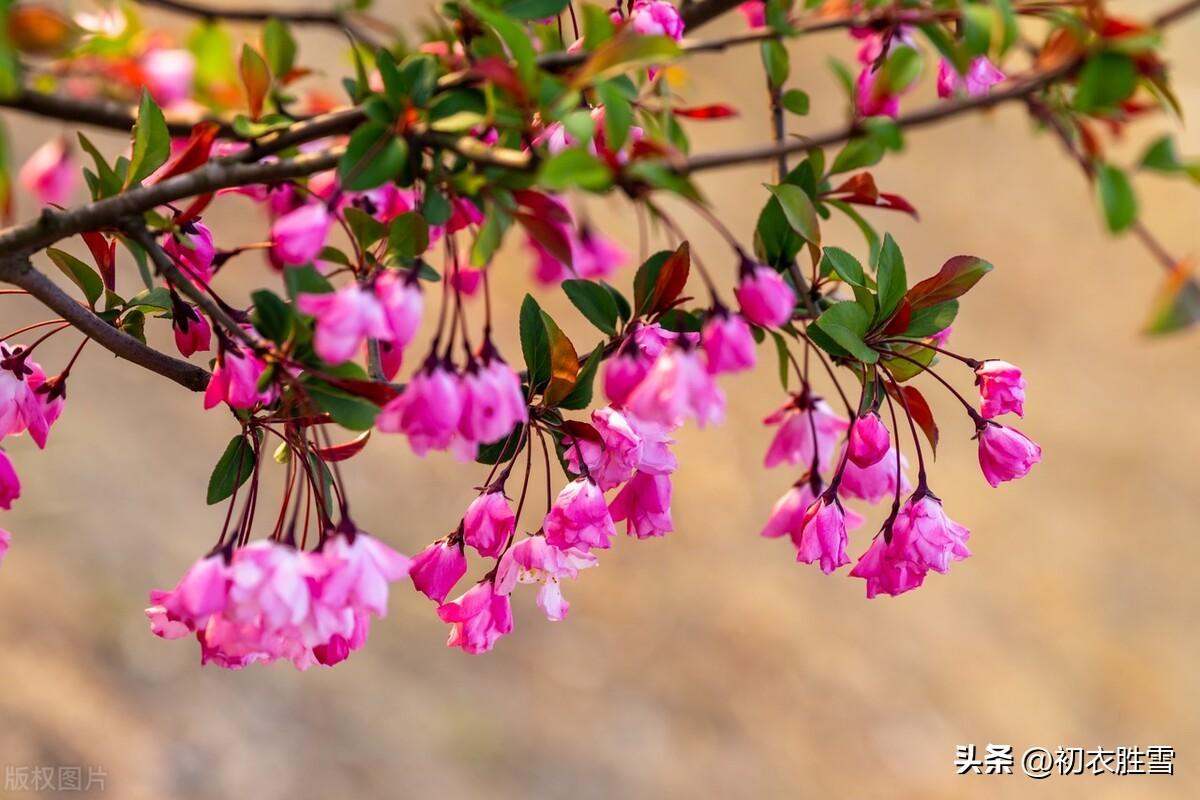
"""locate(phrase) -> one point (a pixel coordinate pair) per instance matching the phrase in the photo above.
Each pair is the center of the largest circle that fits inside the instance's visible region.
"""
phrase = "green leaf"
(151, 142)
(795, 101)
(279, 46)
(80, 274)
(110, 182)
(900, 71)
(781, 351)
(890, 278)
(624, 53)
(935, 318)
(618, 115)
(1116, 197)
(598, 26)
(491, 235)
(595, 302)
(857, 154)
(272, 317)
(799, 210)
(515, 38)
(575, 167)
(844, 265)
(373, 157)
(846, 323)
(233, 468)
(535, 344)
(1177, 306)
(534, 9)
(1161, 156)
(775, 62)
(1107, 79)
(347, 410)
(408, 235)
(256, 79)
(581, 396)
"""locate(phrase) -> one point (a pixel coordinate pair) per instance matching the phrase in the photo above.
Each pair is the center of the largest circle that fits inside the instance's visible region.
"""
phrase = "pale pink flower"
(1006, 454)
(877, 481)
(360, 569)
(823, 535)
(21, 407)
(656, 18)
(298, 236)
(51, 173)
(612, 460)
(193, 250)
(479, 618)
(579, 517)
(799, 420)
(981, 75)
(437, 568)
(645, 503)
(656, 456)
(402, 305)
(427, 411)
(344, 320)
(235, 380)
(192, 331)
(10, 484)
(728, 343)
(676, 387)
(493, 403)
(488, 523)
(869, 440)
(1001, 388)
(534, 560)
(169, 74)
(787, 515)
(764, 296)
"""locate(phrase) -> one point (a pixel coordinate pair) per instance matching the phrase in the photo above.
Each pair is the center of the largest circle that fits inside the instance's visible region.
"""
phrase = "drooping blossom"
(298, 236)
(981, 76)
(764, 296)
(645, 504)
(787, 515)
(534, 560)
(427, 411)
(940, 338)
(51, 173)
(593, 256)
(755, 12)
(28, 401)
(193, 250)
(1006, 454)
(479, 618)
(728, 344)
(493, 404)
(192, 331)
(1001, 388)
(872, 97)
(922, 538)
(437, 568)
(402, 304)
(488, 523)
(877, 481)
(823, 534)
(344, 320)
(10, 484)
(612, 460)
(656, 18)
(168, 74)
(799, 420)
(360, 569)
(633, 360)
(869, 440)
(579, 518)
(676, 387)
(656, 456)
(235, 379)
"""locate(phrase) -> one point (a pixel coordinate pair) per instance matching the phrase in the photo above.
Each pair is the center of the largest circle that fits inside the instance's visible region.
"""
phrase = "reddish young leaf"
(256, 77)
(564, 364)
(547, 234)
(860, 185)
(39, 30)
(194, 154)
(672, 277)
(500, 73)
(899, 322)
(920, 411)
(376, 392)
(104, 253)
(581, 430)
(955, 279)
(543, 206)
(714, 111)
(345, 450)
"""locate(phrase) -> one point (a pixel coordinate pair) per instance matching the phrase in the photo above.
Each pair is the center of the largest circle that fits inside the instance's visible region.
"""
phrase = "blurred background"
(709, 663)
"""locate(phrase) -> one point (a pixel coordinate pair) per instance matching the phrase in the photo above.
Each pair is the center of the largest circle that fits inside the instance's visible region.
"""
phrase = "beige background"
(708, 664)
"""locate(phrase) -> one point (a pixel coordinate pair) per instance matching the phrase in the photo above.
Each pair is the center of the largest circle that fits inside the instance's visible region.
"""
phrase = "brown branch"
(99, 113)
(336, 19)
(21, 272)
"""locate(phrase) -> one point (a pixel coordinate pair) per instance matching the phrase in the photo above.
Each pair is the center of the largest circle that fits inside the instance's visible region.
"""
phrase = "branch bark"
(21, 272)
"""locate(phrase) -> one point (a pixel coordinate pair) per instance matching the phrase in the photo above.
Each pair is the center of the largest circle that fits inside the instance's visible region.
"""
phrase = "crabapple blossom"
(192, 331)
(169, 74)
(764, 296)
(427, 411)
(235, 379)
(50, 173)
(402, 303)
(193, 250)
(492, 402)
(676, 387)
(534, 560)
(644, 503)
(489, 523)
(478, 618)
(344, 320)
(877, 481)
(922, 538)
(728, 343)
(437, 568)
(869, 440)
(981, 75)
(1001, 389)
(5, 542)
(10, 484)
(298, 236)
(823, 534)
(1006, 454)
(656, 18)
(803, 421)
(579, 518)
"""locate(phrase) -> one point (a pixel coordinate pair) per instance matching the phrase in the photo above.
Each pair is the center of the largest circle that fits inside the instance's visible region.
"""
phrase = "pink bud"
(823, 535)
(622, 374)
(193, 250)
(345, 319)
(656, 18)
(1006, 454)
(427, 411)
(402, 306)
(1001, 388)
(169, 75)
(235, 380)
(298, 236)
(727, 343)
(755, 12)
(437, 568)
(488, 523)
(50, 173)
(981, 75)
(765, 297)
(579, 517)
(10, 484)
(869, 440)
(192, 331)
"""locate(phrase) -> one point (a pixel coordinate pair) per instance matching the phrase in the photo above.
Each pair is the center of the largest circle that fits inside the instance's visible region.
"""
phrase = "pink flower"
(235, 380)
(10, 484)
(193, 250)
(298, 236)
(656, 456)
(623, 373)
(922, 538)
(488, 523)
(676, 387)
(656, 18)
(869, 440)
(50, 173)
(787, 515)
(21, 407)
(595, 256)
(823, 535)
(1006, 454)
(940, 338)
(402, 305)
(1001, 388)
(579, 517)
(612, 460)
(361, 567)
(799, 421)
(755, 12)
(493, 403)
(877, 481)
(727, 343)
(5, 541)
(872, 98)
(437, 568)
(169, 75)
(534, 560)
(345, 319)
(480, 617)
(427, 411)
(463, 213)
(645, 502)
(764, 296)
(981, 75)
(192, 331)
(200, 593)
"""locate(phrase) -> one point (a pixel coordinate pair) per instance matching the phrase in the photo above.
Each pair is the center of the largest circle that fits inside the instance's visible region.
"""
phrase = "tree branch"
(336, 19)
(21, 272)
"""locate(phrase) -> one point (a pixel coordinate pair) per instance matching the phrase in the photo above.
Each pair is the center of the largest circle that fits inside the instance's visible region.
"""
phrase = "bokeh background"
(707, 664)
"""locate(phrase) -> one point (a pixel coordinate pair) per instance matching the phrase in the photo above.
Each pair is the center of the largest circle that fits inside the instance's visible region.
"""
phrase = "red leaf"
(581, 430)
(672, 277)
(500, 73)
(194, 154)
(345, 450)
(376, 392)
(714, 111)
(900, 319)
(256, 77)
(919, 410)
(954, 279)
(548, 235)
(860, 185)
(543, 206)
(104, 252)
(195, 209)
